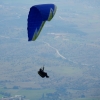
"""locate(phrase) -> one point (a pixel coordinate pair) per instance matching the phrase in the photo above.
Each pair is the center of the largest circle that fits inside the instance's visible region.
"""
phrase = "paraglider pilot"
(42, 73)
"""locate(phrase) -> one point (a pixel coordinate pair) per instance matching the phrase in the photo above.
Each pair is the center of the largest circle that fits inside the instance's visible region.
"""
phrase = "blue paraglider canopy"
(37, 17)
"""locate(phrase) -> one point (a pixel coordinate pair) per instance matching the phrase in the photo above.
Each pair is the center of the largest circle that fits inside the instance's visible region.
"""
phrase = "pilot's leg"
(46, 75)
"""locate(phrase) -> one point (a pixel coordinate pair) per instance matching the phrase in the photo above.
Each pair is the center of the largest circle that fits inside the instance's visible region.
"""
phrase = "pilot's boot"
(47, 76)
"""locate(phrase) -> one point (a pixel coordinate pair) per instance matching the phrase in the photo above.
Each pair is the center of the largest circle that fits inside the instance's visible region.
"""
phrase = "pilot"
(42, 73)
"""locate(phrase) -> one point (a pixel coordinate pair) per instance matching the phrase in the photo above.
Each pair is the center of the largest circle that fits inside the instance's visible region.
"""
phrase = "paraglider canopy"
(37, 17)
